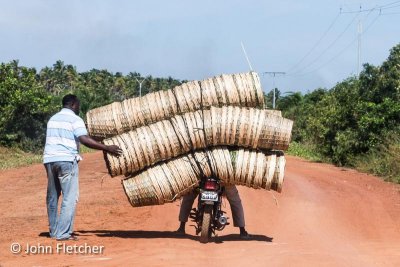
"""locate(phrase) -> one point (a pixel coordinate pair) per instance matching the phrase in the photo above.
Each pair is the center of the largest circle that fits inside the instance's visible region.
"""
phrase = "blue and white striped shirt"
(63, 131)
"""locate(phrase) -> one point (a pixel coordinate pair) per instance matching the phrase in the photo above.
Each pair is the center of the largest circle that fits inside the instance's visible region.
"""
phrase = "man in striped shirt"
(65, 131)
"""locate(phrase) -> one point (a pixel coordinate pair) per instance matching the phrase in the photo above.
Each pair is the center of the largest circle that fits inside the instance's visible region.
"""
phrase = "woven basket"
(243, 89)
(163, 140)
(279, 173)
(161, 183)
(274, 111)
(168, 181)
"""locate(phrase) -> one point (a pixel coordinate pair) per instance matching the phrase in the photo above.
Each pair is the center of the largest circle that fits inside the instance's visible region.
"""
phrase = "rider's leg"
(235, 202)
(184, 212)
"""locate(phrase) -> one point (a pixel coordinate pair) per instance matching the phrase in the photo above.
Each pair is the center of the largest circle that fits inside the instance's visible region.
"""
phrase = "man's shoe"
(71, 238)
(245, 236)
(180, 231)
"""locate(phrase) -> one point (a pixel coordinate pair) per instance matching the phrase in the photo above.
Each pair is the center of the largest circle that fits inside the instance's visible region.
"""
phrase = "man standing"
(65, 131)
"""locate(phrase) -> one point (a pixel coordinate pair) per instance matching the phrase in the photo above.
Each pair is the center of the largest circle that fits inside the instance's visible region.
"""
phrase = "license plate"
(209, 196)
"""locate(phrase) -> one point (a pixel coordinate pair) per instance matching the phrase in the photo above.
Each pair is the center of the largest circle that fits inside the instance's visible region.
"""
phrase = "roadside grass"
(305, 151)
(15, 157)
(85, 149)
(383, 161)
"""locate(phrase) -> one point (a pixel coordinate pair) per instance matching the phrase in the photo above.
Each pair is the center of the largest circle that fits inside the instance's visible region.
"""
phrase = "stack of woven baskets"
(171, 139)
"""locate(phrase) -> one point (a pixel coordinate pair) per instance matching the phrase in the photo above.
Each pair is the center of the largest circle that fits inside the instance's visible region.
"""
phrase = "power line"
(341, 51)
(329, 47)
(392, 3)
(316, 44)
(299, 72)
(392, 13)
(386, 6)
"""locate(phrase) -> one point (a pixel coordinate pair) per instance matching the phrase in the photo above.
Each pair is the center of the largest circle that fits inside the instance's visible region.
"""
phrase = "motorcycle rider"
(235, 202)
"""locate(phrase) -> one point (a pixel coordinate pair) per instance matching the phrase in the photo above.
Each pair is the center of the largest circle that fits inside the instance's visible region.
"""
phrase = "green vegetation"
(28, 98)
(383, 160)
(356, 123)
(306, 151)
(14, 157)
(85, 149)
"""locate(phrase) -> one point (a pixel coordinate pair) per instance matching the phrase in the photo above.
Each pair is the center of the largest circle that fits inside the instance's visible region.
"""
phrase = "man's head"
(72, 102)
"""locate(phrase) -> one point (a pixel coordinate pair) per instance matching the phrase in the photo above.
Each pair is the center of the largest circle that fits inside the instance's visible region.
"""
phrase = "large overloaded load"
(231, 126)
(170, 139)
(172, 179)
(242, 90)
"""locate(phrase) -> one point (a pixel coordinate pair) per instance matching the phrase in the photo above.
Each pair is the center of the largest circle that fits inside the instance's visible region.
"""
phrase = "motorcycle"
(208, 215)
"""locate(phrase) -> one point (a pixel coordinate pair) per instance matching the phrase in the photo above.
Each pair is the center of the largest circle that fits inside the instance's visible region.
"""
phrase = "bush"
(383, 160)
(307, 151)
(354, 123)
(25, 108)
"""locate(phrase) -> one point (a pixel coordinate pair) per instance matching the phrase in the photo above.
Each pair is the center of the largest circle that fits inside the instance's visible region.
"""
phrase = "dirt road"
(325, 216)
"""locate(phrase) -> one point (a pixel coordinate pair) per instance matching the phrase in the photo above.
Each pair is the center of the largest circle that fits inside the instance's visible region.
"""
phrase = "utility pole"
(359, 30)
(274, 73)
(140, 85)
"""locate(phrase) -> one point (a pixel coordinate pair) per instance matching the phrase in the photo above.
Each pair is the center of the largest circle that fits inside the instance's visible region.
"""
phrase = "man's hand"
(114, 150)
(90, 142)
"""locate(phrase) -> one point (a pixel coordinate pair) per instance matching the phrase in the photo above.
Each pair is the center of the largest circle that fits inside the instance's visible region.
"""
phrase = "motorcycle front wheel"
(206, 223)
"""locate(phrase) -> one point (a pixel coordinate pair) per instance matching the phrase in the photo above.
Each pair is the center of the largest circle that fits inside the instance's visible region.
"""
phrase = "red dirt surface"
(325, 216)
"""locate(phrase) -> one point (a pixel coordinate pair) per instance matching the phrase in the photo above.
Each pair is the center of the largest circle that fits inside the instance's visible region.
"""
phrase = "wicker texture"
(279, 173)
(243, 89)
(170, 180)
(163, 140)
(274, 111)
(211, 128)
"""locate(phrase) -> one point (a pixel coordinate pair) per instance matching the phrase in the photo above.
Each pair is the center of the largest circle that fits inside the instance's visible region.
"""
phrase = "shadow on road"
(236, 237)
(44, 234)
(164, 234)
(167, 234)
(137, 234)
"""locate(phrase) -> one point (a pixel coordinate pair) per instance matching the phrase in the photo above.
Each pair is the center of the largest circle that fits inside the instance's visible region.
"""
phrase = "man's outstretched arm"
(90, 142)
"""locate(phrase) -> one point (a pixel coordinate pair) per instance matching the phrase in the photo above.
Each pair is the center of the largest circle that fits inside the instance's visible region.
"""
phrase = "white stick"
(247, 58)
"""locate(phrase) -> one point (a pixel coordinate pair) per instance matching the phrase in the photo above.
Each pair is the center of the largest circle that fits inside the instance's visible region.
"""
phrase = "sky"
(315, 43)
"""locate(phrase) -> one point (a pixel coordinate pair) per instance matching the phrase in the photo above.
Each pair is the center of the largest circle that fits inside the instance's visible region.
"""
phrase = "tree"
(25, 107)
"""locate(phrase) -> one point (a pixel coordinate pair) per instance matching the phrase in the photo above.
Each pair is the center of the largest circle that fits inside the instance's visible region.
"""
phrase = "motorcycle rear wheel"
(205, 226)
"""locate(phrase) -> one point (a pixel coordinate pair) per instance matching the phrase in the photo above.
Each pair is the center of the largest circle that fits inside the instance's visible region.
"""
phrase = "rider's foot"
(181, 229)
(244, 234)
